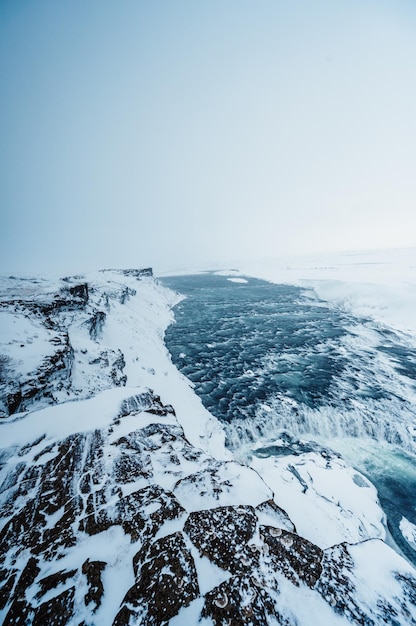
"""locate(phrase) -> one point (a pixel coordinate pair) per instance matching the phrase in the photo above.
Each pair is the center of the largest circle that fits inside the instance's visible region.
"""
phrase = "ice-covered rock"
(328, 501)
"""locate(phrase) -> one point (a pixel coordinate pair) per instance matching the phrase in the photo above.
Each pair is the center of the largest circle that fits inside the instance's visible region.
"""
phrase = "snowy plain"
(377, 283)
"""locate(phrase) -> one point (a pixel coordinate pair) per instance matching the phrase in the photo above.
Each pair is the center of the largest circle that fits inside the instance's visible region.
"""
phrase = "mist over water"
(271, 359)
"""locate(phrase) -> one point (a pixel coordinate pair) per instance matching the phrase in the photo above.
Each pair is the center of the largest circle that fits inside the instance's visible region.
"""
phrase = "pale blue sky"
(169, 133)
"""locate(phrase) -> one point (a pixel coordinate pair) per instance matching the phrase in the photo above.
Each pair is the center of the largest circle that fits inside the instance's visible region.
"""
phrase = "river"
(268, 359)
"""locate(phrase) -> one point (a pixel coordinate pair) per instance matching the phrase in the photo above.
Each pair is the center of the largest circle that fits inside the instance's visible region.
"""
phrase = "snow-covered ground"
(380, 284)
(338, 505)
(135, 327)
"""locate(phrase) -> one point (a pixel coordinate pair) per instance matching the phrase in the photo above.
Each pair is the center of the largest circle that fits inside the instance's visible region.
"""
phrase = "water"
(268, 358)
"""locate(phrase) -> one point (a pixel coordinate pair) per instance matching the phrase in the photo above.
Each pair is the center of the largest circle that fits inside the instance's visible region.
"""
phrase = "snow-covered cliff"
(121, 505)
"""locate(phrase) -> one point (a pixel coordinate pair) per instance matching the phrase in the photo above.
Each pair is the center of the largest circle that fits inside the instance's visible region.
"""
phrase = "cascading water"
(267, 359)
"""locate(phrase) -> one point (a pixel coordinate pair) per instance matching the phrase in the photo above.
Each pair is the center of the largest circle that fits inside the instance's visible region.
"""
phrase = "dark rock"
(133, 517)
(408, 584)
(100, 480)
(138, 273)
(54, 373)
(112, 361)
(119, 379)
(126, 294)
(19, 614)
(146, 401)
(152, 438)
(45, 490)
(130, 512)
(6, 364)
(20, 611)
(70, 298)
(93, 570)
(7, 582)
(166, 582)
(137, 404)
(211, 480)
(96, 324)
(336, 585)
(57, 611)
(80, 292)
(97, 516)
(162, 410)
(29, 574)
(124, 617)
(53, 581)
(135, 273)
(14, 401)
(297, 558)
(129, 466)
(222, 534)
(158, 435)
(240, 601)
(289, 445)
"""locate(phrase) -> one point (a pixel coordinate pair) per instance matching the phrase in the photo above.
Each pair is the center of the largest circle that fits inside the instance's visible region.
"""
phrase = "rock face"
(37, 363)
(120, 520)
(62, 501)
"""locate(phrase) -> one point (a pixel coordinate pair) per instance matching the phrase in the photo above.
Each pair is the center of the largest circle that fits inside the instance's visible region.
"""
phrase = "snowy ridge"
(121, 505)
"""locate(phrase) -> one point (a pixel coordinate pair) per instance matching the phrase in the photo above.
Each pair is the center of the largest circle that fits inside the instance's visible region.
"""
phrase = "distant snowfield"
(380, 284)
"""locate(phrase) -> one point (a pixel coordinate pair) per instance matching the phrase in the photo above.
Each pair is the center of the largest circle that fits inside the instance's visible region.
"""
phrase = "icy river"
(272, 361)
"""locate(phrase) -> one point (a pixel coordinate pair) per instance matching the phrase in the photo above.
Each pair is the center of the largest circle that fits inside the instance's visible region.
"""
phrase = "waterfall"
(388, 421)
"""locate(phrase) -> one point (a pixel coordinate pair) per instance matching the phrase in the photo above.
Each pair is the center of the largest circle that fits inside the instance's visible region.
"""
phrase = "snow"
(408, 531)
(24, 340)
(132, 422)
(328, 502)
(300, 605)
(377, 283)
(374, 573)
(137, 329)
(191, 615)
(118, 575)
(62, 420)
(229, 484)
(209, 574)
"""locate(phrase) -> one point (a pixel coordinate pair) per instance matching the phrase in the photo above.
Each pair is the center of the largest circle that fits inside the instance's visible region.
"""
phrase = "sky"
(172, 133)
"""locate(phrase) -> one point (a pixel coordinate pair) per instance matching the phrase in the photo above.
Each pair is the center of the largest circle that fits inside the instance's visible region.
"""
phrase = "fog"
(174, 133)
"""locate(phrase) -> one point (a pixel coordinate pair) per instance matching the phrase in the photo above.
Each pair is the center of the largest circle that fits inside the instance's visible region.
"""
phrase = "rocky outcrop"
(52, 375)
(111, 516)
(63, 327)
(96, 324)
(166, 581)
(135, 273)
(63, 501)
